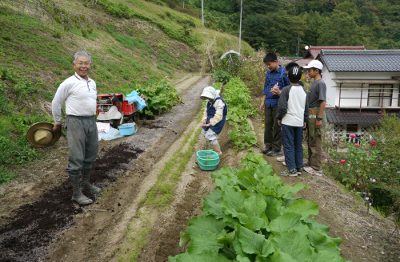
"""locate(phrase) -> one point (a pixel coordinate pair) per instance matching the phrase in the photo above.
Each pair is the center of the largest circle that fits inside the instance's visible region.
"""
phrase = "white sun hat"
(314, 64)
(209, 92)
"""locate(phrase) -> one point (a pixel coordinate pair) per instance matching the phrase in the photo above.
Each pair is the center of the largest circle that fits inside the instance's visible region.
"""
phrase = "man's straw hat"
(42, 135)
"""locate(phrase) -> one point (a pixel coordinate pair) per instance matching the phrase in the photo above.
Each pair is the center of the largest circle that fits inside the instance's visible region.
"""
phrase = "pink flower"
(342, 161)
(373, 142)
(352, 135)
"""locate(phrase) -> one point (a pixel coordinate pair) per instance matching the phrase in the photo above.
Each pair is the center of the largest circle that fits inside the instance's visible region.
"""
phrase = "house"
(313, 52)
(361, 85)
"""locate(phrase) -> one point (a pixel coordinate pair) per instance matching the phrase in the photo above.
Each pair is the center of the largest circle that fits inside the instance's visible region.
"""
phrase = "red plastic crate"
(127, 109)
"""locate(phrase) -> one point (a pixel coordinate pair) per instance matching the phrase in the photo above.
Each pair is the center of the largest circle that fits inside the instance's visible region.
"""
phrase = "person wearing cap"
(79, 94)
(317, 103)
(214, 116)
(275, 80)
(292, 116)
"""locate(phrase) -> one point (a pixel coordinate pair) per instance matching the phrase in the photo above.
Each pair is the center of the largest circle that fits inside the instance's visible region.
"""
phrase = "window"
(380, 95)
(352, 128)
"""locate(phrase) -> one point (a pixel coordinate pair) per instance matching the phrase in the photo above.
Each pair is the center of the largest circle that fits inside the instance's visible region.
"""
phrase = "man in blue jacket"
(275, 80)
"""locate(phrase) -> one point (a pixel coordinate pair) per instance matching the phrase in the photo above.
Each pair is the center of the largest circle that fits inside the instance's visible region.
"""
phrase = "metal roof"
(361, 60)
(314, 51)
(346, 117)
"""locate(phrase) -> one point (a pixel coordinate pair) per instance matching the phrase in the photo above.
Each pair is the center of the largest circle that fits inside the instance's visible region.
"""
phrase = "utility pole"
(240, 25)
(202, 12)
(183, 4)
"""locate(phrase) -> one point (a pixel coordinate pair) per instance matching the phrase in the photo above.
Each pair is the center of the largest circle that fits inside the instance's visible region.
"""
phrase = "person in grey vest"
(79, 94)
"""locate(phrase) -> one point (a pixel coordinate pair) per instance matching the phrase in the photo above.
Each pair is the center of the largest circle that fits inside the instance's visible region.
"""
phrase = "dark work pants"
(272, 131)
(292, 137)
(82, 142)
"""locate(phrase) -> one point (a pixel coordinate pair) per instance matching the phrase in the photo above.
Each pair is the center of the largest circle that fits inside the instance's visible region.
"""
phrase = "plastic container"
(134, 97)
(207, 160)
(127, 129)
(127, 109)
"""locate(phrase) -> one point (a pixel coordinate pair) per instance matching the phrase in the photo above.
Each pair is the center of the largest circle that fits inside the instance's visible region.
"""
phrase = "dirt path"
(44, 215)
(194, 185)
(365, 236)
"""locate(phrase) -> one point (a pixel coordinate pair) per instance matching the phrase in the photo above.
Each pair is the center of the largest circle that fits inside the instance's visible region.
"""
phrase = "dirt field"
(37, 219)
(39, 223)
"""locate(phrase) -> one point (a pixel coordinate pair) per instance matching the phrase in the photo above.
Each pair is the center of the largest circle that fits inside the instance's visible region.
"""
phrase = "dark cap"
(294, 74)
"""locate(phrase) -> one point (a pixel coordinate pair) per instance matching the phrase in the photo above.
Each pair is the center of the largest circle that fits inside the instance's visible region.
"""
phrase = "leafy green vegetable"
(253, 216)
(238, 98)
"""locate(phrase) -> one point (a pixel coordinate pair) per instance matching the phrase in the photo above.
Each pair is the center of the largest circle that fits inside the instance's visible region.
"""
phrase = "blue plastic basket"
(207, 159)
(127, 129)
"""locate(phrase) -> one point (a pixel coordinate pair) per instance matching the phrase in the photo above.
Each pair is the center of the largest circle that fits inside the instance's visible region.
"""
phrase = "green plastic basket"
(207, 160)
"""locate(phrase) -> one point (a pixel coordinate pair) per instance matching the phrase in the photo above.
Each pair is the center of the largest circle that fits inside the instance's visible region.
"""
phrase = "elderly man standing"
(78, 93)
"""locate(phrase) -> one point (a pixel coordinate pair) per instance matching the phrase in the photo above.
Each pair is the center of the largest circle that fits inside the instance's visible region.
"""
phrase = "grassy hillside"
(133, 42)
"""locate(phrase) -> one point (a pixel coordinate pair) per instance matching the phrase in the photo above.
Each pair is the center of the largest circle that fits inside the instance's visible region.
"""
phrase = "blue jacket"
(271, 78)
(210, 114)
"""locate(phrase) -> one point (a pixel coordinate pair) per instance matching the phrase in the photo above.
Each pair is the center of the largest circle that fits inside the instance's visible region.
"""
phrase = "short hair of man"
(270, 57)
(82, 53)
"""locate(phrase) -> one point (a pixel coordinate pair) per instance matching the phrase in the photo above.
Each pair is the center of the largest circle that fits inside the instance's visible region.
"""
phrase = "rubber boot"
(77, 195)
(86, 182)
(217, 148)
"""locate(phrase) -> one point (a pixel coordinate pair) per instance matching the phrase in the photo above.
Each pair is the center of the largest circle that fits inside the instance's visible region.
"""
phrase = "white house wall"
(333, 88)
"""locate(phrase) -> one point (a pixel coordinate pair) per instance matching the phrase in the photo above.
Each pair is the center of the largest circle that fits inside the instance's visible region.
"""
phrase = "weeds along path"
(365, 236)
(50, 228)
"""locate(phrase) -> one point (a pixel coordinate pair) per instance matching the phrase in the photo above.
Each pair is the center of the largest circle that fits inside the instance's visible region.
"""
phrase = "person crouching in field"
(214, 116)
(292, 116)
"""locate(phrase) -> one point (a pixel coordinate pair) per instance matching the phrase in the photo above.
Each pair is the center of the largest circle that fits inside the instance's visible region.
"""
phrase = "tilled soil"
(33, 225)
(195, 184)
(51, 227)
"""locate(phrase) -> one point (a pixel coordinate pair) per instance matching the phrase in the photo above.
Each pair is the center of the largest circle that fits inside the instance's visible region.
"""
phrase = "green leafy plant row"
(253, 216)
(238, 98)
(160, 97)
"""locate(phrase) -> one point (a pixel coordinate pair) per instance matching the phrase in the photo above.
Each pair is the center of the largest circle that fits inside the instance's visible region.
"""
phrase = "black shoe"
(289, 173)
(275, 153)
(300, 171)
(266, 151)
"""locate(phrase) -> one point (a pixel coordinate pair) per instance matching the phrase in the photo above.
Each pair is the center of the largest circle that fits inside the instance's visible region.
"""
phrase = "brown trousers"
(314, 141)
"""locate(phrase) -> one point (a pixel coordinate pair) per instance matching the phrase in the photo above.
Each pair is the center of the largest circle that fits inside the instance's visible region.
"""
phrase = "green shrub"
(160, 97)
(5, 175)
(372, 168)
(221, 75)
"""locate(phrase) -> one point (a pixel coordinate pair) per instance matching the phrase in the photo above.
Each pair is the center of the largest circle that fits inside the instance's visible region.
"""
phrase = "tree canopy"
(286, 26)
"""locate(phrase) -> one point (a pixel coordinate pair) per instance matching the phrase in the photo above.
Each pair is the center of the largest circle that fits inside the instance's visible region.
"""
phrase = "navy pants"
(292, 137)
